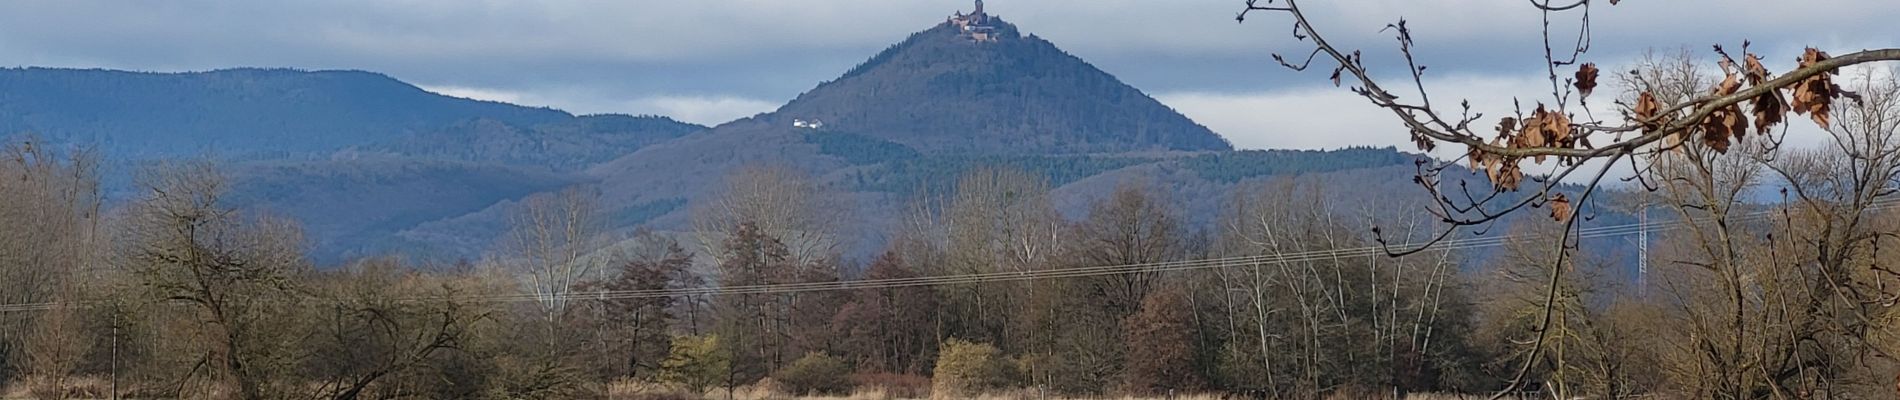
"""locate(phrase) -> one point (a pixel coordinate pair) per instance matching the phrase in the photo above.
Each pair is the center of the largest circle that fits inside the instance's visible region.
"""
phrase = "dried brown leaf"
(1557, 125)
(1725, 123)
(1769, 109)
(1586, 79)
(1425, 143)
(1646, 110)
(1505, 175)
(1544, 128)
(1729, 85)
(1752, 68)
(1476, 158)
(1815, 95)
(1505, 127)
(1560, 209)
(1723, 126)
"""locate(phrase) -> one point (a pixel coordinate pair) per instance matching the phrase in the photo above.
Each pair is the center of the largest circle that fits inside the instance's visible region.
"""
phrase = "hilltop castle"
(975, 25)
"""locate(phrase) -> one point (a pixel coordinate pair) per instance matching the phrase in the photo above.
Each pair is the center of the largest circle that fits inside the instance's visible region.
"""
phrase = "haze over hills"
(280, 113)
(374, 164)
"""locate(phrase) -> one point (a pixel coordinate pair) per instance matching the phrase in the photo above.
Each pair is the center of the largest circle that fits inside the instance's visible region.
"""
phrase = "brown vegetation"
(207, 301)
(989, 292)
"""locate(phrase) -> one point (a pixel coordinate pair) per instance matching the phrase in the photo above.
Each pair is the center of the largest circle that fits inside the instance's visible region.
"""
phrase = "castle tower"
(979, 8)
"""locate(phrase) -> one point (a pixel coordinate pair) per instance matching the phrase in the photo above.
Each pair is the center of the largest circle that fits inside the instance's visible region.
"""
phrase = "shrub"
(815, 373)
(695, 362)
(1160, 346)
(65, 387)
(538, 379)
(1349, 392)
(965, 368)
(765, 389)
(903, 386)
(630, 389)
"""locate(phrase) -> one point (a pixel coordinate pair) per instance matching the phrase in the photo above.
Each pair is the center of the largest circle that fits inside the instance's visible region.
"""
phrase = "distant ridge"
(245, 112)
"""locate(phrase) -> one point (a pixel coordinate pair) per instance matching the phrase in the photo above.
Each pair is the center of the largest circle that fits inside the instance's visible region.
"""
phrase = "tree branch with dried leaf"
(1563, 127)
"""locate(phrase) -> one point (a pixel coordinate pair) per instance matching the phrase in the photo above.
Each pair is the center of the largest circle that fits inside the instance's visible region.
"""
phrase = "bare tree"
(1563, 126)
(889, 329)
(779, 201)
(998, 220)
(1071, 329)
(750, 328)
(1135, 225)
(55, 349)
(1770, 300)
(1592, 351)
(551, 237)
(234, 271)
(1160, 345)
(772, 224)
(52, 200)
(1829, 230)
(1308, 317)
(379, 323)
(639, 330)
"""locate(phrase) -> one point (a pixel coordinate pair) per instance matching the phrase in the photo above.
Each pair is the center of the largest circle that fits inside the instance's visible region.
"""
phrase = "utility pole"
(117, 318)
(1642, 250)
(115, 360)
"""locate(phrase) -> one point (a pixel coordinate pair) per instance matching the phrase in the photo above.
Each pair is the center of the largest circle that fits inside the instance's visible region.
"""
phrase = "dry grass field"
(83, 388)
(626, 390)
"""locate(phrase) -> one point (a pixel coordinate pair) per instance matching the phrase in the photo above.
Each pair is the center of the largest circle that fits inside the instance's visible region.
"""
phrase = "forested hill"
(371, 164)
(241, 112)
(942, 90)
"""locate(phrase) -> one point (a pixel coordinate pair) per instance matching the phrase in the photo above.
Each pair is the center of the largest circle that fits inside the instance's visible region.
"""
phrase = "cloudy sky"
(712, 61)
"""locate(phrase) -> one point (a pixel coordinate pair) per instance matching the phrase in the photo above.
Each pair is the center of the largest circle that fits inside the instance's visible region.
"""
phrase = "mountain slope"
(943, 91)
(233, 111)
(917, 113)
(357, 156)
(284, 113)
(690, 166)
(353, 207)
(567, 144)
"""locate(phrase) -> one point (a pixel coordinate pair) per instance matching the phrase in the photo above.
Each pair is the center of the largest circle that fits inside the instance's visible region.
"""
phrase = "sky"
(709, 62)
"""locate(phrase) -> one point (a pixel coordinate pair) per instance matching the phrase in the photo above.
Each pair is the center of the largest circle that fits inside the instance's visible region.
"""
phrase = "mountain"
(276, 113)
(358, 156)
(946, 89)
(972, 90)
(371, 164)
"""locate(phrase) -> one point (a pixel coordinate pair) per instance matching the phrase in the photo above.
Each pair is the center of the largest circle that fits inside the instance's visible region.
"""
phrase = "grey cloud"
(604, 55)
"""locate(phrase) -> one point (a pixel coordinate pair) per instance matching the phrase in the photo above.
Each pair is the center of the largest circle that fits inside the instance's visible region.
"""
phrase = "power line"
(1615, 230)
(1106, 270)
